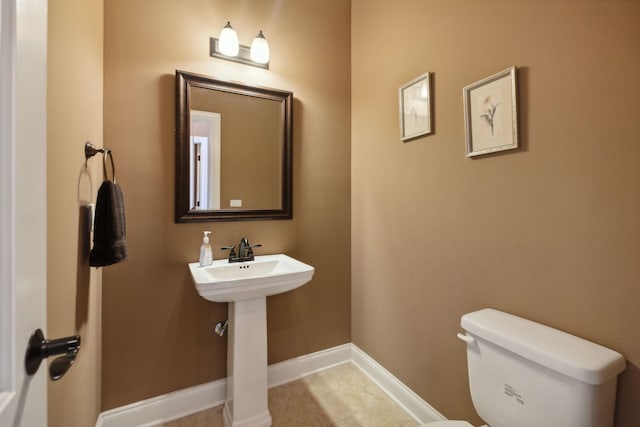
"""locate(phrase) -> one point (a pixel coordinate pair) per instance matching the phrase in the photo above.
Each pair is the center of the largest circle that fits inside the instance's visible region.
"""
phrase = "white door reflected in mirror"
(204, 161)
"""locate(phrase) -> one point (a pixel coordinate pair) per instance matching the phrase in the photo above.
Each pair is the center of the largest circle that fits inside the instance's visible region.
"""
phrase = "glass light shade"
(260, 49)
(228, 41)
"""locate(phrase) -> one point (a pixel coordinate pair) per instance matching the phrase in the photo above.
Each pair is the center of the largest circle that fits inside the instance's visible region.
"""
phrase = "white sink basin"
(245, 286)
(267, 275)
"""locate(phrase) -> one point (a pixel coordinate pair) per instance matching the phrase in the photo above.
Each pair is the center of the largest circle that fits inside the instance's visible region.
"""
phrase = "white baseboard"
(194, 399)
(166, 407)
(413, 404)
(299, 367)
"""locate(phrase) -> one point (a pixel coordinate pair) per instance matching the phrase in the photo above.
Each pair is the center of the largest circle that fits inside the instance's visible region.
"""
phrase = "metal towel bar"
(91, 150)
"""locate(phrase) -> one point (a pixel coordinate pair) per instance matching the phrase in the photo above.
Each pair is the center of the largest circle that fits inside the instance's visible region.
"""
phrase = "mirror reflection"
(233, 150)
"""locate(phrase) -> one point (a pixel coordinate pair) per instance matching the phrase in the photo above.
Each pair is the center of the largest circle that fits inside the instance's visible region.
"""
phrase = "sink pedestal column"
(247, 386)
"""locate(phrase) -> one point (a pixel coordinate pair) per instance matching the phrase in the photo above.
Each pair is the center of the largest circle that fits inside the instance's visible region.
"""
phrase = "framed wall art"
(415, 107)
(491, 114)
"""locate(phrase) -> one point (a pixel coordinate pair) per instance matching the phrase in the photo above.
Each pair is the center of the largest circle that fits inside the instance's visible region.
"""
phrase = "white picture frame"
(491, 114)
(415, 107)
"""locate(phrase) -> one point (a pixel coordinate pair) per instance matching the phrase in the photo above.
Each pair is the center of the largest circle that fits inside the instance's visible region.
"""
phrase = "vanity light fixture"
(229, 44)
(227, 47)
(260, 49)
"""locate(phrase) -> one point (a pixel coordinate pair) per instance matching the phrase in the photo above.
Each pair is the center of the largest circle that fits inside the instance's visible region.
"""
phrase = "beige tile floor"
(340, 397)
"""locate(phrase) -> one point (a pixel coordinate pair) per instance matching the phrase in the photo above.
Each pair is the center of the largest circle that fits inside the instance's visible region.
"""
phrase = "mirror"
(233, 151)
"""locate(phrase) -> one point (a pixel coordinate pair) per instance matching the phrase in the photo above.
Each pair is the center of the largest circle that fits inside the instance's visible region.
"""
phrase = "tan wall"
(157, 331)
(550, 232)
(74, 115)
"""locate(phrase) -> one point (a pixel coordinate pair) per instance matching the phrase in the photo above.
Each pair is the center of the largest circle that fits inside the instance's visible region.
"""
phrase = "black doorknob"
(41, 348)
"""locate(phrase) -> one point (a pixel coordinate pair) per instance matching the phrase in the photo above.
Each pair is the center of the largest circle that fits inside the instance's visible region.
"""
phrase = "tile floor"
(338, 397)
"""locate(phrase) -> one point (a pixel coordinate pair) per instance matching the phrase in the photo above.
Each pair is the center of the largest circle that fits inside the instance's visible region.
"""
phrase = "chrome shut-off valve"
(221, 327)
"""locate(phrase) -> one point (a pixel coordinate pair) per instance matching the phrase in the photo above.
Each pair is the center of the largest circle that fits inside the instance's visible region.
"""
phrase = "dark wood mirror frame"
(183, 212)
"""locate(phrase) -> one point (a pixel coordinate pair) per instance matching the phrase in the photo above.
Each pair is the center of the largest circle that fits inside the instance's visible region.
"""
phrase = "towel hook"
(91, 150)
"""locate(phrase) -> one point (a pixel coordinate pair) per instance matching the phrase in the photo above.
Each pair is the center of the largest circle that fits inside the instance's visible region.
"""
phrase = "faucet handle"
(232, 254)
(250, 249)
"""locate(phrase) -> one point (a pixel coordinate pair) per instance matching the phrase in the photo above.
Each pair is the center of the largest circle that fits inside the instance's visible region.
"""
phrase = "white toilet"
(524, 374)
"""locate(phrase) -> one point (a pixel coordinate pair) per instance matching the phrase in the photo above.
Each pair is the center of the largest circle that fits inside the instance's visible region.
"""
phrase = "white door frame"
(213, 121)
(23, 247)
(200, 155)
(6, 196)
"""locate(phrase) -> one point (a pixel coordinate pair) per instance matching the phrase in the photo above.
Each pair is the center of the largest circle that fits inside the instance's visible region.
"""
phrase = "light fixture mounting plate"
(243, 57)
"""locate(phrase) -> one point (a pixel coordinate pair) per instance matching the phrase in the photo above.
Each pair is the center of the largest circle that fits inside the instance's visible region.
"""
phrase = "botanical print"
(489, 112)
(414, 108)
(416, 113)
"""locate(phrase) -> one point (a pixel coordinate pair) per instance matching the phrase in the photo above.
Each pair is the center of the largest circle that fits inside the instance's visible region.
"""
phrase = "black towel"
(109, 236)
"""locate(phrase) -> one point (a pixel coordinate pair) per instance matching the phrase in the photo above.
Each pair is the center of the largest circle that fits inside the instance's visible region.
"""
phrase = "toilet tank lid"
(562, 352)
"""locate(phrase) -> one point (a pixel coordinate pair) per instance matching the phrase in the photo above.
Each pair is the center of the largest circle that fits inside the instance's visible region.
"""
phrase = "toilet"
(524, 374)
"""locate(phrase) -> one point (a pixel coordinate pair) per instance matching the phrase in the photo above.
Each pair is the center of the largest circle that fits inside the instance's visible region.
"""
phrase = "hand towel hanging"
(109, 237)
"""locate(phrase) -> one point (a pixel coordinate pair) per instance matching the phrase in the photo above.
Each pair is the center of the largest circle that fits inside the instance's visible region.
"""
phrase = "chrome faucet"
(245, 251)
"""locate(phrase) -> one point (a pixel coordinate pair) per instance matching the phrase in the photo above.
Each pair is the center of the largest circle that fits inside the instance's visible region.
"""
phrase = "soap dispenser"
(206, 254)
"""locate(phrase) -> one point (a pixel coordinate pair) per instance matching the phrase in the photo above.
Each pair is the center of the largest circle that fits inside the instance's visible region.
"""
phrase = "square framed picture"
(491, 114)
(415, 107)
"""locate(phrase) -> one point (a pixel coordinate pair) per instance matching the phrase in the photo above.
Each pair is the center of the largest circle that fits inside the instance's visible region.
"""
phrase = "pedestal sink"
(245, 286)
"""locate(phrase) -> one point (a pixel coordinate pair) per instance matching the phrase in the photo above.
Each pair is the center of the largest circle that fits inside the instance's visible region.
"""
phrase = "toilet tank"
(524, 374)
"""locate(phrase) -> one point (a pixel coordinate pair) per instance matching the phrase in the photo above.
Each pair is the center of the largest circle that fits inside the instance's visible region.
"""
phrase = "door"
(205, 136)
(200, 150)
(23, 248)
